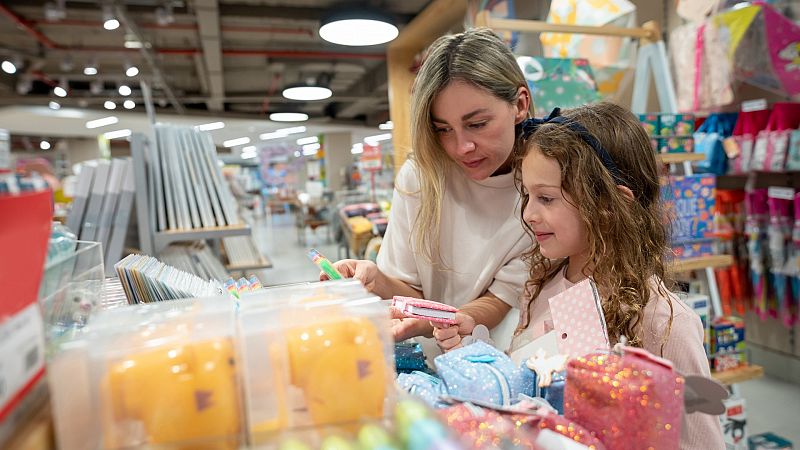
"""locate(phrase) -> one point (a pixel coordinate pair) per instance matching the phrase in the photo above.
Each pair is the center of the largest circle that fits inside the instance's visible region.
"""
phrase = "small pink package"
(425, 309)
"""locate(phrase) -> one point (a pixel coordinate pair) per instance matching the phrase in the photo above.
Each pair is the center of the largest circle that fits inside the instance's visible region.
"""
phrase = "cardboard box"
(701, 305)
(727, 343)
(690, 201)
(768, 441)
(675, 124)
(734, 424)
(650, 123)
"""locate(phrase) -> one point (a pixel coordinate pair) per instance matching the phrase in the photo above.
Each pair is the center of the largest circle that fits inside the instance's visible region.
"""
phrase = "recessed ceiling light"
(8, 67)
(105, 121)
(108, 104)
(210, 126)
(235, 142)
(288, 117)
(109, 21)
(60, 91)
(357, 28)
(129, 104)
(132, 71)
(124, 90)
(54, 105)
(117, 134)
(44, 145)
(307, 140)
(372, 140)
(90, 70)
(307, 93)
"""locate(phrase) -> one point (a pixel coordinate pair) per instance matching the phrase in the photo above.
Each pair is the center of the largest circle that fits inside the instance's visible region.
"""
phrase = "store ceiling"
(218, 58)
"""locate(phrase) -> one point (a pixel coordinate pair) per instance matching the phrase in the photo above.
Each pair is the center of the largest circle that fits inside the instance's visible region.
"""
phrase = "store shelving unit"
(150, 240)
(674, 158)
(739, 375)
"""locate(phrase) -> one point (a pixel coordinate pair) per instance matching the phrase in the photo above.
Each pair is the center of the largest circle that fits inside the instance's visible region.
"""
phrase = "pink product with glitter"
(425, 309)
(629, 401)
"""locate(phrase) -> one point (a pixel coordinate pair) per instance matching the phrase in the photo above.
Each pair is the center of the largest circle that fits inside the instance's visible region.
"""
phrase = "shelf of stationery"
(674, 158)
(739, 375)
(701, 262)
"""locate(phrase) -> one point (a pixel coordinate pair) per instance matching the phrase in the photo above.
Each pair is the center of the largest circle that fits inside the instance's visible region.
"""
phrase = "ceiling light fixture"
(357, 27)
(105, 121)
(210, 126)
(53, 12)
(288, 117)
(54, 105)
(129, 104)
(307, 93)
(60, 91)
(44, 145)
(109, 21)
(91, 67)
(124, 90)
(235, 142)
(117, 134)
(130, 69)
(9, 67)
(308, 140)
(109, 105)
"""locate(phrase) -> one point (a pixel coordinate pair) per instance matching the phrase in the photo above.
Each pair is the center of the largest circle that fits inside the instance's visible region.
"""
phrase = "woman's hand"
(448, 337)
(366, 272)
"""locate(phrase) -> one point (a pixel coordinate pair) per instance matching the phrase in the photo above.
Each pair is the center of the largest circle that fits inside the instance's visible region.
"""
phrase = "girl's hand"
(448, 337)
(407, 327)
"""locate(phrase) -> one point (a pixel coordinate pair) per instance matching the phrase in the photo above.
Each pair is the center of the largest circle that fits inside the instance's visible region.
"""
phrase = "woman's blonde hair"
(477, 57)
(628, 240)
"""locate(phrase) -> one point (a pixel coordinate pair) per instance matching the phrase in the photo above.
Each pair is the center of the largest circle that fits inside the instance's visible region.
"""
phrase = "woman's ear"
(523, 104)
(626, 192)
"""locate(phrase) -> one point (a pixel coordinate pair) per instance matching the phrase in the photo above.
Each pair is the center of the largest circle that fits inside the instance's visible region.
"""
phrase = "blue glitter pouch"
(408, 357)
(424, 386)
(483, 373)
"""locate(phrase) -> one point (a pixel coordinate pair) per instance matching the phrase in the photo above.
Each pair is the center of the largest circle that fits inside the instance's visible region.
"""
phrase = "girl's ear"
(523, 104)
(626, 192)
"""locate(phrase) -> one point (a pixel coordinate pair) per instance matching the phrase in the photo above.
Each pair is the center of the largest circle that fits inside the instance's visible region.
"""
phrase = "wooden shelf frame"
(673, 158)
(739, 375)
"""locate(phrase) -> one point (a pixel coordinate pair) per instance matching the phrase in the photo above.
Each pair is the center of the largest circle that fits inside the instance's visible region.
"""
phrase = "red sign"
(371, 158)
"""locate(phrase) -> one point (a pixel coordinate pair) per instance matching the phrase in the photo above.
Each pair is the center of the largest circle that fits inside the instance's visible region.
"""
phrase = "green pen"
(324, 264)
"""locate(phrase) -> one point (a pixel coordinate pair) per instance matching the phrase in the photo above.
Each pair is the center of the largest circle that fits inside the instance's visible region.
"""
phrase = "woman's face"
(475, 128)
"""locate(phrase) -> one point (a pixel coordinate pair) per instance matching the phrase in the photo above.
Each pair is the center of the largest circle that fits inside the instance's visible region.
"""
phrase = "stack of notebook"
(146, 279)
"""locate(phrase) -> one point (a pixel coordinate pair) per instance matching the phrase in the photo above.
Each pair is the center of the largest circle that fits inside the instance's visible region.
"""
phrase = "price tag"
(783, 193)
(754, 105)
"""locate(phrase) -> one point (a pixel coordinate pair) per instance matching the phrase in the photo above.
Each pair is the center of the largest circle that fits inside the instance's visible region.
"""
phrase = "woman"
(454, 233)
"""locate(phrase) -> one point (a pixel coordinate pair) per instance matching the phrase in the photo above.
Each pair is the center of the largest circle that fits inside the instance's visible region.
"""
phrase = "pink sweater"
(684, 347)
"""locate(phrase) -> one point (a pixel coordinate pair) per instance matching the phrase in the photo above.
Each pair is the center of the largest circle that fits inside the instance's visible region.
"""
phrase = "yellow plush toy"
(183, 394)
(340, 365)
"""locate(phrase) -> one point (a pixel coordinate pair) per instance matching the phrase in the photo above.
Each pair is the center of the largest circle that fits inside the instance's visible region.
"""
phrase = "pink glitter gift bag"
(628, 399)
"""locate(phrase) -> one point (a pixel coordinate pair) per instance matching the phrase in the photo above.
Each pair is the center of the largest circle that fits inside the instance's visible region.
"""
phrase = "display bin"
(70, 291)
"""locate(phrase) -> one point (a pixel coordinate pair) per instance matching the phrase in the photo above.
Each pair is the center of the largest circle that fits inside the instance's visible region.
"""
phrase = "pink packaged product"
(425, 309)
(628, 400)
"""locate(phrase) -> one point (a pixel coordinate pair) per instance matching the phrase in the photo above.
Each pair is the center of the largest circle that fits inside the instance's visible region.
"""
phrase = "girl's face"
(555, 222)
(475, 128)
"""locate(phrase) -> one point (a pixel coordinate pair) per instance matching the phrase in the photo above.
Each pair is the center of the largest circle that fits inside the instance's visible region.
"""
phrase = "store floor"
(772, 404)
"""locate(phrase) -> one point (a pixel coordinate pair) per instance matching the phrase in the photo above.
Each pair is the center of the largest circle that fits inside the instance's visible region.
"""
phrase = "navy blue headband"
(531, 125)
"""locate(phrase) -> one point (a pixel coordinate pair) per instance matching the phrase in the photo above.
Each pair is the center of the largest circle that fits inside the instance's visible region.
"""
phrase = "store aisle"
(772, 405)
(277, 238)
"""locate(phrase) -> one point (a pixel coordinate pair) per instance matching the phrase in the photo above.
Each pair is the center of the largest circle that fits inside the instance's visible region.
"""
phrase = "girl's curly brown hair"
(627, 239)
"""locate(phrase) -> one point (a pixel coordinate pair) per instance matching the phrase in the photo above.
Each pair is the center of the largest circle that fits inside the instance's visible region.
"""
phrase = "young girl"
(590, 190)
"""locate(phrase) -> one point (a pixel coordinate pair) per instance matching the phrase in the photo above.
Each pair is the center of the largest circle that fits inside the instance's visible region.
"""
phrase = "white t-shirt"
(481, 241)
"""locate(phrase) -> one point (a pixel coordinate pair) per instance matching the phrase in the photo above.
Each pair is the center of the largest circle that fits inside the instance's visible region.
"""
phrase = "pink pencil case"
(425, 309)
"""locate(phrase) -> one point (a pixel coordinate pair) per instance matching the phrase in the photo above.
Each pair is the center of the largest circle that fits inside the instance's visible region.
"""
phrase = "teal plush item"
(562, 82)
(708, 141)
(423, 386)
(480, 372)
